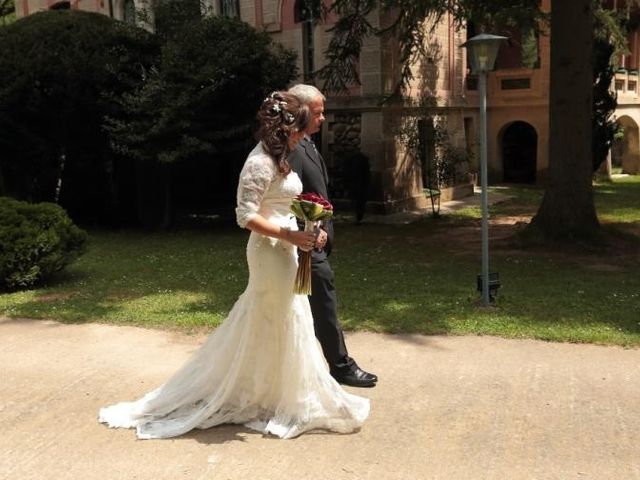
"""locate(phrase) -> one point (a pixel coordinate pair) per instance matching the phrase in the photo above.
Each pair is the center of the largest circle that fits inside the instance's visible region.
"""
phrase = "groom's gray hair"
(306, 93)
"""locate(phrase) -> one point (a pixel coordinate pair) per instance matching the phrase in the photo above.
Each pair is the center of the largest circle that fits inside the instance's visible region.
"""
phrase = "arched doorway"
(625, 153)
(519, 153)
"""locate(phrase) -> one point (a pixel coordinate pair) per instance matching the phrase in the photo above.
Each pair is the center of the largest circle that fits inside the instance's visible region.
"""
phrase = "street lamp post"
(483, 50)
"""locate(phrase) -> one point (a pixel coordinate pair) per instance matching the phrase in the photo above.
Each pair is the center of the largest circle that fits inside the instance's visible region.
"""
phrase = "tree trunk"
(153, 195)
(567, 210)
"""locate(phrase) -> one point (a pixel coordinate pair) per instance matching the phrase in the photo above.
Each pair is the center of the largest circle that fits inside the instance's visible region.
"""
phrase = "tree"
(172, 16)
(605, 102)
(202, 100)
(53, 104)
(408, 23)
(580, 129)
(199, 104)
(7, 11)
(567, 210)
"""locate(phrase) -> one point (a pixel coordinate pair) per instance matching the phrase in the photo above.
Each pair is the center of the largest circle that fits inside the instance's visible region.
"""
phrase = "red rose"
(315, 198)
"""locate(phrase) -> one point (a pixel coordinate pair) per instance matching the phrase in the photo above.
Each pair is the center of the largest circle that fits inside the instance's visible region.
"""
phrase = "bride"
(262, 367)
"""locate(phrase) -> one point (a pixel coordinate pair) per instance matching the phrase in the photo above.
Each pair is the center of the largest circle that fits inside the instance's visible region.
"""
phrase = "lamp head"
(483, 50)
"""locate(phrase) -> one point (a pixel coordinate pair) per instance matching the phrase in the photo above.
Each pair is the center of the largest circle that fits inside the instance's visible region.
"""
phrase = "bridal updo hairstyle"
(280, 115)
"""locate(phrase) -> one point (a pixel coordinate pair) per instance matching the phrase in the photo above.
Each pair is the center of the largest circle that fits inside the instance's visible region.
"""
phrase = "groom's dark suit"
(307, 162)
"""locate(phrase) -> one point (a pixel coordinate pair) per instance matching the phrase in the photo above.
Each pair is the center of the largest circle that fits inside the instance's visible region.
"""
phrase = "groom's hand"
(321, 239)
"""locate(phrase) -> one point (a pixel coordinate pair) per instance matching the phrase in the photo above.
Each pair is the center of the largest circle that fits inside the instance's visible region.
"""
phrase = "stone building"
(518, 99)
(625, 153)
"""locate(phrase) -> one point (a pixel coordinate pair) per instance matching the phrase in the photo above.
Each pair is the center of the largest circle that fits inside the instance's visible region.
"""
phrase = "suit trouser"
(324, 307)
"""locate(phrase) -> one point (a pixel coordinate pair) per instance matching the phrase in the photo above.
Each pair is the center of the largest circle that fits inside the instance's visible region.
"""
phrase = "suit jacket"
(307, 162)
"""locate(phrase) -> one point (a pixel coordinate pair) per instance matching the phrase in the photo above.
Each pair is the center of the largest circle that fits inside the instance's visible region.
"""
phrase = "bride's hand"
(305, 241)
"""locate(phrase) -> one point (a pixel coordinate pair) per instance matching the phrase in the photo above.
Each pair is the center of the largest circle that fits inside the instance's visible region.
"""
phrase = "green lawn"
(391, 278)
(619, 201)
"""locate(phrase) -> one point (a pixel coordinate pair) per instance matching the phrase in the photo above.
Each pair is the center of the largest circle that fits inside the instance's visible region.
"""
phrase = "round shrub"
(36, 240)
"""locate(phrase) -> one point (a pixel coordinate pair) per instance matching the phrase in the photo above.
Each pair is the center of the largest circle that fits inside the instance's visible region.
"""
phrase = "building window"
(129, 12)
(515, 83)
(471, 82)
(308, 18)
(230, 8)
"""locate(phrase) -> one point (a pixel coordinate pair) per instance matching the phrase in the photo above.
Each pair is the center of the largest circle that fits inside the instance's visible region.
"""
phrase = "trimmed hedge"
(36, 240)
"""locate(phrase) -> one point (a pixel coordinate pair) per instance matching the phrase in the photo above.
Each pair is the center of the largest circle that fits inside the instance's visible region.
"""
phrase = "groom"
(306, 161)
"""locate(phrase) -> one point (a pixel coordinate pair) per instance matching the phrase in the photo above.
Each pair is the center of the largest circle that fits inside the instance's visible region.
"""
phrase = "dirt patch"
(619, 251)
(511, 220)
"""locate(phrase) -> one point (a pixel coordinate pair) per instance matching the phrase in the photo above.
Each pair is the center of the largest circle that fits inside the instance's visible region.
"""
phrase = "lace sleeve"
(256, 176)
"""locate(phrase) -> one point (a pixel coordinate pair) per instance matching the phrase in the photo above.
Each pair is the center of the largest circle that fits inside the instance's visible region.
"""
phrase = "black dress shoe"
(356, 377)
(372, 376)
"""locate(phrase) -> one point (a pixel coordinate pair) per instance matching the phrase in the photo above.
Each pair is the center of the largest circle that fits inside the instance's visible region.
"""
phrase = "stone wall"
(343, 141)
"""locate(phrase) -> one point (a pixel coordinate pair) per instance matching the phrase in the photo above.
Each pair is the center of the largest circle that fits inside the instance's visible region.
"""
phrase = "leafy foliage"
(36, 240)
(604, 102)
(349, 31)
(202, 101)
(171, 16)
(7, 11)
(97, 109)
(61, 73)
(409, 22)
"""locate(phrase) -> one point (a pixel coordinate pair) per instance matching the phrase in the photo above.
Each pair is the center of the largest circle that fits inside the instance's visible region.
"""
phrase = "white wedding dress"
(263, 367)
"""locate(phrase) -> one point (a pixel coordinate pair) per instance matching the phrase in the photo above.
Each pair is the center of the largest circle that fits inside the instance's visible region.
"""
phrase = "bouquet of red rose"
(312, 208)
